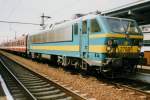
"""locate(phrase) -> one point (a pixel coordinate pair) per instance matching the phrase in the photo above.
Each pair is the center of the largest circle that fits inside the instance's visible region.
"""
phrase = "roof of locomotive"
(68, 22)
(65, 23)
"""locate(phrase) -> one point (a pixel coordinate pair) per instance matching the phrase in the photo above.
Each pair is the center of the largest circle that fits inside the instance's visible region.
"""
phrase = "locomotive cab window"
(84, 27)
(75, 28)
(95, 26)
(130, 27)
(115, 25)
(123, 26)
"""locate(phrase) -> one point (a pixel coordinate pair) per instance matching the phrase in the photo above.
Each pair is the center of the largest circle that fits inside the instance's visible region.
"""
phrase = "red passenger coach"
(17, 45)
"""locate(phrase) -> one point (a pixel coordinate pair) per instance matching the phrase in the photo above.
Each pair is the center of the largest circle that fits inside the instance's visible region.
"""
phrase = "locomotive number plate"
(127, 49)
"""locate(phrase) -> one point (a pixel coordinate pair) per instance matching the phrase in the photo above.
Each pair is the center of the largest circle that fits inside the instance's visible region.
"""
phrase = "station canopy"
(139, 11)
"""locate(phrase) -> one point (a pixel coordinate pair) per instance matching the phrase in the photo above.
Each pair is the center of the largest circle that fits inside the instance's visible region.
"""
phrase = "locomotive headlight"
(112, 43)
(112, 46)
(108, 48)
(109, 42)
(139, 49)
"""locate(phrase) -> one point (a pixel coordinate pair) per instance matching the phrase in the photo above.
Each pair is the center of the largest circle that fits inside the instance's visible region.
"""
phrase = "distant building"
(146, 41)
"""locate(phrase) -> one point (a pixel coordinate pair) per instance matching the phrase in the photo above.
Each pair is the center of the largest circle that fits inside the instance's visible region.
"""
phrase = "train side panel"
(55, 42)
(81, 45)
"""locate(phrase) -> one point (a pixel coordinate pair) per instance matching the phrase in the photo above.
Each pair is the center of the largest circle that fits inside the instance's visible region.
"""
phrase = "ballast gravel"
(89, 86)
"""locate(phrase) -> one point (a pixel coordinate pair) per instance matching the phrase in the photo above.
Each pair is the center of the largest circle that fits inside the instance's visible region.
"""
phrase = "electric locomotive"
(106, 44)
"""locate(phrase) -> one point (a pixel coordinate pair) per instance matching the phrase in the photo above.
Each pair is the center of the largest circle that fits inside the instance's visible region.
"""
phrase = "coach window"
(95, 26)
(36, 38)
(84, 27)
(32, 38)
(75, 28)
(22, 42)
(18, 42)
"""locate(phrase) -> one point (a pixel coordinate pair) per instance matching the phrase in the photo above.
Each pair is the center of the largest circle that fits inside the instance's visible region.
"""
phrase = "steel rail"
(28, 92)
(117, 84)
(73, 94)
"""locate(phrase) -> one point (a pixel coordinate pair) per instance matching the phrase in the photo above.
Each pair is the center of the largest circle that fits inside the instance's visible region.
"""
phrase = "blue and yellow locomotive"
(106, 44)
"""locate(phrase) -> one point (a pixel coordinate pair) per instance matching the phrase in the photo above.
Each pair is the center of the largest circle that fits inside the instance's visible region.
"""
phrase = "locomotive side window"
(75, 28)
(95, 26)
(84, 27)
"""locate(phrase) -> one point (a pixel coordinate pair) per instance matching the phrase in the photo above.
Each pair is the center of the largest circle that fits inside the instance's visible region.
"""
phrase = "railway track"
(137, 87)
(27, 85)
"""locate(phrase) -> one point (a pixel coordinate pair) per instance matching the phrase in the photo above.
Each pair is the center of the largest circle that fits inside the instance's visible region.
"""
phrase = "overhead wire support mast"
(18, 22)
(43, 21)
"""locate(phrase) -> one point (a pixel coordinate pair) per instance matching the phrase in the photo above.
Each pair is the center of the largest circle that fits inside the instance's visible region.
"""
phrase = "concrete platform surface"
(143, 67)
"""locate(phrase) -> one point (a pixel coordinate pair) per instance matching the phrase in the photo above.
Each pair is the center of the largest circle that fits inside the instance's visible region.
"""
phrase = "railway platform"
(144, 69)
(4, 93)
(142, 74)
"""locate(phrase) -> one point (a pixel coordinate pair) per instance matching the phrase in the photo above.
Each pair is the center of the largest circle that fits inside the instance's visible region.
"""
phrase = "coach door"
(84, 39)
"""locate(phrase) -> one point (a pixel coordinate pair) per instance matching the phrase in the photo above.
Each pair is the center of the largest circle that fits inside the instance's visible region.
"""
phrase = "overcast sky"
(30, 11)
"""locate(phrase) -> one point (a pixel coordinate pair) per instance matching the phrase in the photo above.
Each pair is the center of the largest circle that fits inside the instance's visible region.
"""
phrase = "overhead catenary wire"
(15, 22)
